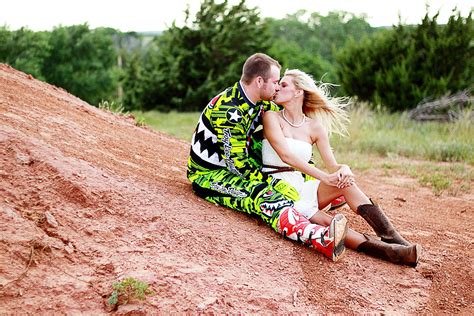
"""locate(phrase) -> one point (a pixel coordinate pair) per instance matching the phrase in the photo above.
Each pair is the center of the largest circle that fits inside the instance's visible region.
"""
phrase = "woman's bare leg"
(353, 238)
(354, 196)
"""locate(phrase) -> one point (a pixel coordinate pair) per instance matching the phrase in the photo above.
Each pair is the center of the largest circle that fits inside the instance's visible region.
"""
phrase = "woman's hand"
(331, 179)
(345, 176)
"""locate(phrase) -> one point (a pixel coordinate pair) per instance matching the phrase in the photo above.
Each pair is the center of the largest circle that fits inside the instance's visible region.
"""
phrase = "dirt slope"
(87, 198)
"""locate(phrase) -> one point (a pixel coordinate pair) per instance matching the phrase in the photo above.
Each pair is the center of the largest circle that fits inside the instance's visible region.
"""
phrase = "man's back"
(221, 138)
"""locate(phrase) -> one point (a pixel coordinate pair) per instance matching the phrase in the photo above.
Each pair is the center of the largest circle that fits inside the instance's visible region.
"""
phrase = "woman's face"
(287, 91)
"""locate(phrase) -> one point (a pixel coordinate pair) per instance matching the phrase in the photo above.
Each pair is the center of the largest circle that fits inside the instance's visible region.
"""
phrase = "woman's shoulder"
(314, 123)
(316, 127)
(270, 115)
(271, 112)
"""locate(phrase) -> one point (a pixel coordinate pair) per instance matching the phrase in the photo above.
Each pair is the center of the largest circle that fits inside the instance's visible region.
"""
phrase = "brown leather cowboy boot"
(394, 253)
(380, 223)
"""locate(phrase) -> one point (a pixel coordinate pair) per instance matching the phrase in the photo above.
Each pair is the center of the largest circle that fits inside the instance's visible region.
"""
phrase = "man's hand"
(286, 189)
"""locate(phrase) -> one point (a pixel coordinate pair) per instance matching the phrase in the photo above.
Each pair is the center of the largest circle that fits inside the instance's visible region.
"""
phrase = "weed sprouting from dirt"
(140, 122)
(119, 109)
(112, 106)
(128, 290)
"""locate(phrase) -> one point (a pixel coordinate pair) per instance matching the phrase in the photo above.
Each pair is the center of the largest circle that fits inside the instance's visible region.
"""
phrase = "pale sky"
(149, 15)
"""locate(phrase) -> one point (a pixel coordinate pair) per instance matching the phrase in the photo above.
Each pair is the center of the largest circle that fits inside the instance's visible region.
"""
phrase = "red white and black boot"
(327, 240)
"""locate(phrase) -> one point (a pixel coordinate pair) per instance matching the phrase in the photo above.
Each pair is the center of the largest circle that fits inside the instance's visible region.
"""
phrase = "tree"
(24, 50)
(309, 41)
(133, 80)
(295, 46)
(129, 48)
(401, 67)
(82, 61)
(335, 29)
(187, 66)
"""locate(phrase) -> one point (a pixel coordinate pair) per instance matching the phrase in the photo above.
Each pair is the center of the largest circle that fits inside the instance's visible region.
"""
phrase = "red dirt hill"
(87, 199)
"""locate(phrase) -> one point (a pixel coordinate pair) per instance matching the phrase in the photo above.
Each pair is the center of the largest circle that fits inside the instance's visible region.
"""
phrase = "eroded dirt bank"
(88, 198)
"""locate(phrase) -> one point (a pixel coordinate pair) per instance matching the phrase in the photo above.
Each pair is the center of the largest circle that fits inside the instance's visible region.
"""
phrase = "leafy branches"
(187, 65)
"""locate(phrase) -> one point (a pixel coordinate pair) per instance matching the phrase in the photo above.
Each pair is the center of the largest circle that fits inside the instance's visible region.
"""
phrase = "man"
(222, 171)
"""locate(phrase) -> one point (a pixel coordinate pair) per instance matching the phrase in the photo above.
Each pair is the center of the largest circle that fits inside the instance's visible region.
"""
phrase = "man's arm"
(232, 138)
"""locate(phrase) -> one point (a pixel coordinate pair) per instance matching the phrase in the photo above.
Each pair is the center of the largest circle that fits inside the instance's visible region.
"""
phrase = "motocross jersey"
(223, 134)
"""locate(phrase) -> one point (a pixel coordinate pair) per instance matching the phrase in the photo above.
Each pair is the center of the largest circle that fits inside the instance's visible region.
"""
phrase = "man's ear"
(259, 80)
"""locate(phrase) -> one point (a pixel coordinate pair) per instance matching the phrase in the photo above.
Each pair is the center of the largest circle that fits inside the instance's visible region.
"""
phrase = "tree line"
(181, 68)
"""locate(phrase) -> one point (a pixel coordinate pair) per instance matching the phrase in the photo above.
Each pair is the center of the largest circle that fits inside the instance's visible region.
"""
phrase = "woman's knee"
(321, 218)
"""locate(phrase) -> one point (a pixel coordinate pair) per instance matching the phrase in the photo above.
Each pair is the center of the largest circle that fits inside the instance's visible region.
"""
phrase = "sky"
(154, 15)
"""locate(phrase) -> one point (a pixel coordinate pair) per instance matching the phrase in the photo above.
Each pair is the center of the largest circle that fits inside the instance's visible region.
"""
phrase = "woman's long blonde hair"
(319, 105)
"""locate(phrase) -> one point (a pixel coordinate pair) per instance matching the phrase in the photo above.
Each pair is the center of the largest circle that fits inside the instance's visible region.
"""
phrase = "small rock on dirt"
(51, 220)
(69, 248)
(208, 301)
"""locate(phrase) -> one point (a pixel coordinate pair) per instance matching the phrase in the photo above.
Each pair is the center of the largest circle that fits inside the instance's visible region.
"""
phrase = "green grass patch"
(180, 125)
(453, 178)
(385, 134)
(437, 181)
(112, 106)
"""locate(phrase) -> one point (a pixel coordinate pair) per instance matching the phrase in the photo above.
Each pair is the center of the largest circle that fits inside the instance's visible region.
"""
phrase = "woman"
(309, 115)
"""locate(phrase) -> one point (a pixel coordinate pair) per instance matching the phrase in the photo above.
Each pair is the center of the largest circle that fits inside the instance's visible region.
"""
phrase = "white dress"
(308, 190)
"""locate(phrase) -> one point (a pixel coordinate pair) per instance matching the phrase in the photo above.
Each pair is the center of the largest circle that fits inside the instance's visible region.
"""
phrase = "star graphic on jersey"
(233, 115)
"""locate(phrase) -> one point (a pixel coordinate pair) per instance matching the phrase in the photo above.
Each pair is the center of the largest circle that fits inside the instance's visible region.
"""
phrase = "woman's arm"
(346, 177)
(324, 148)
(274, 134)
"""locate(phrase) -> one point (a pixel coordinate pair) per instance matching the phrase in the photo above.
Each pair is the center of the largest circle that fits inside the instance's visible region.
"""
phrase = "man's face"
(271, 86)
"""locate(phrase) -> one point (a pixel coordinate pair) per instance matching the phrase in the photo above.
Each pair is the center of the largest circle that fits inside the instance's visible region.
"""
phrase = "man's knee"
(270, 203)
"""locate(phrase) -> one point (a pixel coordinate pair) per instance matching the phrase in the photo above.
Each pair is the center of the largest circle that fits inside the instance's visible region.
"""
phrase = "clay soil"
(87, 199)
